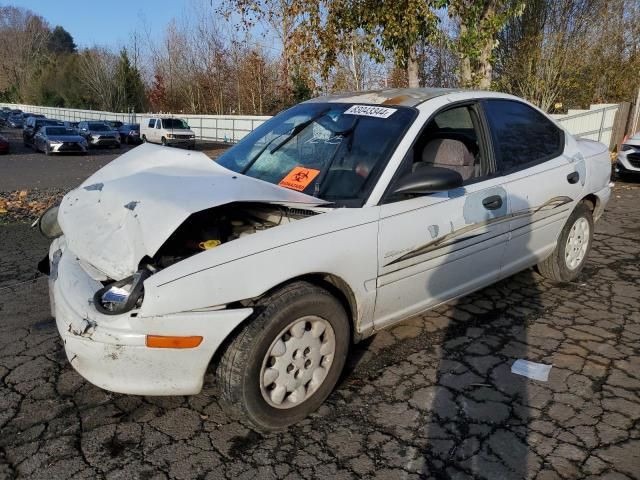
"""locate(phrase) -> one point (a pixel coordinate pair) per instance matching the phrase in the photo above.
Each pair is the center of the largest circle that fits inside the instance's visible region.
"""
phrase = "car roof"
(407, 97)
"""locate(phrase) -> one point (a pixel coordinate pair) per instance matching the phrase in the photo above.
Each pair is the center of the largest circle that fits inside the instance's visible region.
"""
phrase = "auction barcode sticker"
(370, 111)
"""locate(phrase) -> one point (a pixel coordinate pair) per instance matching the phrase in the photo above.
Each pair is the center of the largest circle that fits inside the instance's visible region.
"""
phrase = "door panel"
(546, 182)
(541, 198)
(438, 247)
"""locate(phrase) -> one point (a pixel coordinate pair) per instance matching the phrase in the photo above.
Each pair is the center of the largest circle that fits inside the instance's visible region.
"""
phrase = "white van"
(167, 131)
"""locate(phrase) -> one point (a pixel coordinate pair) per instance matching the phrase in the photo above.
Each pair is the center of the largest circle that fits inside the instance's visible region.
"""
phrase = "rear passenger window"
(522, 136)
(152, 123)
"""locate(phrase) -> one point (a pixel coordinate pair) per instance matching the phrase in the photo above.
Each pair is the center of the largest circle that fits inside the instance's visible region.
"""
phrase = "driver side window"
(451, 140)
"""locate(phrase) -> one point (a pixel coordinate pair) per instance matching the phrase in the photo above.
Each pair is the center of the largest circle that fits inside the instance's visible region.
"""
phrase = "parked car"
(4, 145)
(338, 217)
(99, 134)
(59, 139)
(115, 124)
(4, 115)
(15, 120)
(168, 131)
(628, 161)
(73, 125)
(31, 126)
(25, 116)
(130, 133)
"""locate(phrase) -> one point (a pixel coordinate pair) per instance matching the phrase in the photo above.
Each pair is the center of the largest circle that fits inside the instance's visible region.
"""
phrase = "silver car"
(99, 134)
(59, 139)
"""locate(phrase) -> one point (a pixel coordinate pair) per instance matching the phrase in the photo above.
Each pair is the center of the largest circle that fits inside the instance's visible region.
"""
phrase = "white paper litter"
(535, 371)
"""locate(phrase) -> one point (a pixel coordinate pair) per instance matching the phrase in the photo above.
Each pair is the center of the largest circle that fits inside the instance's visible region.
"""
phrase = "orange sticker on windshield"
(299, 178)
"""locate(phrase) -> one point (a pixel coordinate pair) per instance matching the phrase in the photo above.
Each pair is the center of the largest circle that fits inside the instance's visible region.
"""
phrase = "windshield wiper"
(297, 129)
(320, 187)
(294, 131)
(257, 155)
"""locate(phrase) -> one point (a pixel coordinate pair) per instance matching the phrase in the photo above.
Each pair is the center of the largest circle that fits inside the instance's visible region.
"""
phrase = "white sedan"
(337, 218)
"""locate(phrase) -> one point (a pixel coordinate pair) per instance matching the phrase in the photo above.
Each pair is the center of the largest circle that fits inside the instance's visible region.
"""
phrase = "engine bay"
(213, 227)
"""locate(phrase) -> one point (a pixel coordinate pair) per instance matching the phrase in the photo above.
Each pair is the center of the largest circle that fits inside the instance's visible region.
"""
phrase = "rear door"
(543, 182)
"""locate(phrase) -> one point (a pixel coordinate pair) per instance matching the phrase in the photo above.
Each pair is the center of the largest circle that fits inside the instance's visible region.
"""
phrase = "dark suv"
(32, 125)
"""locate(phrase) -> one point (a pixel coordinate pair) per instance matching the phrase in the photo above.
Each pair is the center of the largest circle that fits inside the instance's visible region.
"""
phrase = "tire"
(46, 150)
(144, 139)
(563, 266)
(163, 141)
(240, 369)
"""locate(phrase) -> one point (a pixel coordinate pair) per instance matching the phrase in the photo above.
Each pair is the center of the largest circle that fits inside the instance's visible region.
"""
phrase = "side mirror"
(428, 180)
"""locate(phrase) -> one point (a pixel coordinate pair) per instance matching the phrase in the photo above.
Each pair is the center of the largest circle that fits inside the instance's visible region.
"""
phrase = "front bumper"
(67, 147)
(181, 142)
(624, 164)
(111, 352)
(103, 141)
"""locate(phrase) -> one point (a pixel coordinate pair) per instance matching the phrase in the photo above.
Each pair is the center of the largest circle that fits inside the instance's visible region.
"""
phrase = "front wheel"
(164, 142)
(286, 359)
(573, 247)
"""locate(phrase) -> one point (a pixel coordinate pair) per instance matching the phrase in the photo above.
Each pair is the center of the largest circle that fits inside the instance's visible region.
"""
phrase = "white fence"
(595, 124)
(215, 128)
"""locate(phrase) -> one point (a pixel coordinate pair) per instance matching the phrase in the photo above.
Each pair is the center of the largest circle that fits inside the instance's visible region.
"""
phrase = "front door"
(439, 246)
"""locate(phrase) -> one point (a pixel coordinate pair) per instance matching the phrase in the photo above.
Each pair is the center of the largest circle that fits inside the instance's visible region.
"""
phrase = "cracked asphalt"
(430, 398)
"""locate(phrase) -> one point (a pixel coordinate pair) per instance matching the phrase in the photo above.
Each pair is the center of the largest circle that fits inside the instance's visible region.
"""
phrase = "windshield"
(331, 151)
(42, 123)
(99, 127)
(174, 123)
(59, 131)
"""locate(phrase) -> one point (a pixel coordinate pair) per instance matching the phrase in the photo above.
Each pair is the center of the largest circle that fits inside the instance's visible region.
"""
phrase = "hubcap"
(297, 362)
(577, 243)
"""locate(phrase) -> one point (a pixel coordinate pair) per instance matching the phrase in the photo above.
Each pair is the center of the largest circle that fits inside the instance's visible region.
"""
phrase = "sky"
(108, 23)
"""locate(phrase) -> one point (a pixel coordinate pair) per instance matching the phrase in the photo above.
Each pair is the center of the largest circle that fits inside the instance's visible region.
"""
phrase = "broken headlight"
(48, 223)
(121, 296)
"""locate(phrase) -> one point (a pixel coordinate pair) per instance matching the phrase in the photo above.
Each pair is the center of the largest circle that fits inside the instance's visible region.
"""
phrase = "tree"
(158, 94)
(23, 40)
(480, 22)
(61, 41)
(131, 95)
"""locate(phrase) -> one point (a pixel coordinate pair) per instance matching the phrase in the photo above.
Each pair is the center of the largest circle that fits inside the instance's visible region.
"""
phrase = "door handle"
(573, 177)
(493, 202)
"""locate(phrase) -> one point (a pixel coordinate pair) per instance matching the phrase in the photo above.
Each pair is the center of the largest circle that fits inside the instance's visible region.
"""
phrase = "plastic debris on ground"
(535, 371)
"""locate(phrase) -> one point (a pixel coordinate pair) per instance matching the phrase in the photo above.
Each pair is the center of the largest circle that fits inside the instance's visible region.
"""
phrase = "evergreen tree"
(131, 94)
(61, 41)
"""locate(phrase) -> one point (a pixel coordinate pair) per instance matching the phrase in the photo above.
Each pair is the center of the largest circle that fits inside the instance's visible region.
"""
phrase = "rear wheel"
(573, 247)
(144, 139)
(286, 359)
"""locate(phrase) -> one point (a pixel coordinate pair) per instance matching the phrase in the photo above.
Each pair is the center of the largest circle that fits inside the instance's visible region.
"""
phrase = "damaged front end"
(143, 213)
(201, 231)
(153, 207)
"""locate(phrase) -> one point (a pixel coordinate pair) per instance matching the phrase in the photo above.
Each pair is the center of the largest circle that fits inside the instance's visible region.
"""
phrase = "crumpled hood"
(130, 207)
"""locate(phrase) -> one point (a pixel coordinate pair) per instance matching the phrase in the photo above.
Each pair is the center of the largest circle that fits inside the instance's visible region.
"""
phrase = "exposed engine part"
(209, 228)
